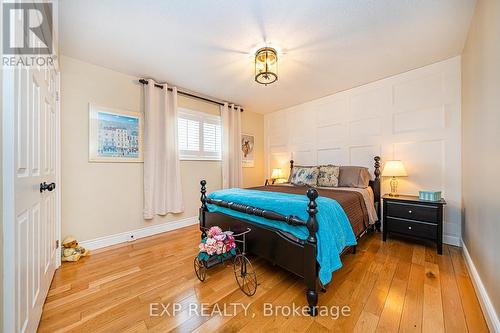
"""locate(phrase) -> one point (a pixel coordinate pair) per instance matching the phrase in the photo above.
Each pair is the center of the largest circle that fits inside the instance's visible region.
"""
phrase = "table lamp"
(394, 169)
(276, 174)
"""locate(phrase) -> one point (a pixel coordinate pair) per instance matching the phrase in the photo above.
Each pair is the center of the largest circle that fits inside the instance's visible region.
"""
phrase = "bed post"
(203, 207)
(376, 191)
(310, 249)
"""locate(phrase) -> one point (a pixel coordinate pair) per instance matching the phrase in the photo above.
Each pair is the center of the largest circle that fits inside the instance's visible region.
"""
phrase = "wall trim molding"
(452, 240)
(484, 299)
(127, 236)
(414, 116)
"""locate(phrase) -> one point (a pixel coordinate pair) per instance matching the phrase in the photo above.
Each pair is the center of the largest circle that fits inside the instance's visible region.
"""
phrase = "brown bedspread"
(351, 202)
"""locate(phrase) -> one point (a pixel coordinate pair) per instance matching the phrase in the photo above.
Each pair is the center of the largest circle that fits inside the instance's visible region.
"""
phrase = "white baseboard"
(452, 240)
(127, 236)
(485, 301)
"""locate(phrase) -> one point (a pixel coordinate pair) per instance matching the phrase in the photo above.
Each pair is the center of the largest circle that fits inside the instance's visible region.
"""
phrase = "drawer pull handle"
(409, 228)
(410, 211)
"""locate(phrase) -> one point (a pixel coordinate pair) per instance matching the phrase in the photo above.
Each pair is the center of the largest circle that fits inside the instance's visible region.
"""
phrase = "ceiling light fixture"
(266, 65)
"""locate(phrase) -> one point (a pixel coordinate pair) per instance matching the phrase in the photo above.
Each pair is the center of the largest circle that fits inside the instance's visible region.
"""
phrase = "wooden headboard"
(374, 184)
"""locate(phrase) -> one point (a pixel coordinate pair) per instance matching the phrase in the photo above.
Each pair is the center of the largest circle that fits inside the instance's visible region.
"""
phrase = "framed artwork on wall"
(114, 135)
(247, 150)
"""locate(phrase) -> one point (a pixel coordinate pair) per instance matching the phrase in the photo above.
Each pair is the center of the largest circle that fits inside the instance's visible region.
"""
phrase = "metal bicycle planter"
(243, 270)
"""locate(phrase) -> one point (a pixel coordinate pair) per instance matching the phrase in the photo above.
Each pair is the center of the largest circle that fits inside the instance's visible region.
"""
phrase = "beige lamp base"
(394, 187)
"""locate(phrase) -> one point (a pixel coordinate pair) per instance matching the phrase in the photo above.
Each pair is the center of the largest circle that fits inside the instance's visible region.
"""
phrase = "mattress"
(357, 203)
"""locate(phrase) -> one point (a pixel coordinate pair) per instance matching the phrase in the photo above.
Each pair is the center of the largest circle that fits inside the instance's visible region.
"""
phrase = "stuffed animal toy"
(71, 251)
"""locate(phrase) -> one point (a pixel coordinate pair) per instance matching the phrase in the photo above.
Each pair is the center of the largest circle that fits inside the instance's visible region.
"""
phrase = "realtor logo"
(27, 28)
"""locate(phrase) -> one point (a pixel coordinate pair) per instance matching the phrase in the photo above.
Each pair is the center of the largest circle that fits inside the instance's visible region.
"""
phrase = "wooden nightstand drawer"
(413, 211)
(408, 215)
(411, 228)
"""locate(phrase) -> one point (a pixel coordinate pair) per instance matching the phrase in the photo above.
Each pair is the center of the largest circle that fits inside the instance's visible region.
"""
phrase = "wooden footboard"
(270, 243)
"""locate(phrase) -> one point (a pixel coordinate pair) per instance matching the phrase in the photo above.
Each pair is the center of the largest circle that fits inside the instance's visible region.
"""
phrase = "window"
(200, 135)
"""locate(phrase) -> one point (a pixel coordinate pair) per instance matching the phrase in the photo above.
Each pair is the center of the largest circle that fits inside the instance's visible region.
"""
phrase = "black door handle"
(44, 186)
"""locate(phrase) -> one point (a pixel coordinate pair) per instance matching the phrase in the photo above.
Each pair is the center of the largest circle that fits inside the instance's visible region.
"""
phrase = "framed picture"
(247, 150)
(114, 135)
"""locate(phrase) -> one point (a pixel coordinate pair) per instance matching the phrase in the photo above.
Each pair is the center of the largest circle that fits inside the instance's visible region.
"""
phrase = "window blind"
(200, 135)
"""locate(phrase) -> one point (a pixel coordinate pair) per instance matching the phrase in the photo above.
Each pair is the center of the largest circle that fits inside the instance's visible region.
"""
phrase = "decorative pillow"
(304, 176)
(354, 176)
(294, 171)
(328, 176)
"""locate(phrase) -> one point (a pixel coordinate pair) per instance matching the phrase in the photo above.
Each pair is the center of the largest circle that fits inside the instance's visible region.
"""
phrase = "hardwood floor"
(388, 287)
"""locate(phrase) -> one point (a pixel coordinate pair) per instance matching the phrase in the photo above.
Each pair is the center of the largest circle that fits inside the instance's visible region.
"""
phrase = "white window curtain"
(162, 177)
(231, 146)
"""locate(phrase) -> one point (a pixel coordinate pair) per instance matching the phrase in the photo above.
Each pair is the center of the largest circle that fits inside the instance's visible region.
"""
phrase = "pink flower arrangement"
(217, 242)
(214, 231)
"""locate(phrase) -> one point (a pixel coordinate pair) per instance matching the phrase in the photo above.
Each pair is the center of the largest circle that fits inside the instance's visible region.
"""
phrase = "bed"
(282, 246)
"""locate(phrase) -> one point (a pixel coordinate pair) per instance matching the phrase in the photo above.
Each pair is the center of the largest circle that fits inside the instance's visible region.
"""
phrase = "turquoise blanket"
(334, 232)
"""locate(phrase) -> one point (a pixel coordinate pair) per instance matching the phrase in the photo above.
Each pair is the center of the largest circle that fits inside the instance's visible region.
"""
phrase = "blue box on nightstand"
(429, 195)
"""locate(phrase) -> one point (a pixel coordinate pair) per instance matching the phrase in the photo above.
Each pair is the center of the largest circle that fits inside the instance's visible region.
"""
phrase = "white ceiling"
(207, 46)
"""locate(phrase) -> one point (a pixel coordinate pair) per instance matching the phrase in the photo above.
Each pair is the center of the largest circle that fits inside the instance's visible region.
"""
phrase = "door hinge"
(57, 244)
(57, 96)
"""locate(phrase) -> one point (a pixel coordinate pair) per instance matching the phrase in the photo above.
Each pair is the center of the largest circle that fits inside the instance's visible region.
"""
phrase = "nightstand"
(408, 215)
(269, 181)
(272, 181)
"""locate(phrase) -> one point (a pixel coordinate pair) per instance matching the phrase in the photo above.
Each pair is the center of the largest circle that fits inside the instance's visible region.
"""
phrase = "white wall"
(481, 152)
(414, 116)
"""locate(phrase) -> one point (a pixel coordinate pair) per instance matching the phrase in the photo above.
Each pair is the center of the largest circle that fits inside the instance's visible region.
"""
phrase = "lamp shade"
(394, 169)
(276, 173)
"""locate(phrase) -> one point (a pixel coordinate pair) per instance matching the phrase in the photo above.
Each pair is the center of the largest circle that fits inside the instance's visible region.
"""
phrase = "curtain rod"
(143, 81)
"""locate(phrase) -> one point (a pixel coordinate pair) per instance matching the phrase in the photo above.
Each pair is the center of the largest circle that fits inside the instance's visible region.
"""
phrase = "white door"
(34, 228)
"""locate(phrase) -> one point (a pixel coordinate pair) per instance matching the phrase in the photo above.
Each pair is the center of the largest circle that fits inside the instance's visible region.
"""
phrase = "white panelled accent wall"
(414, 117)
